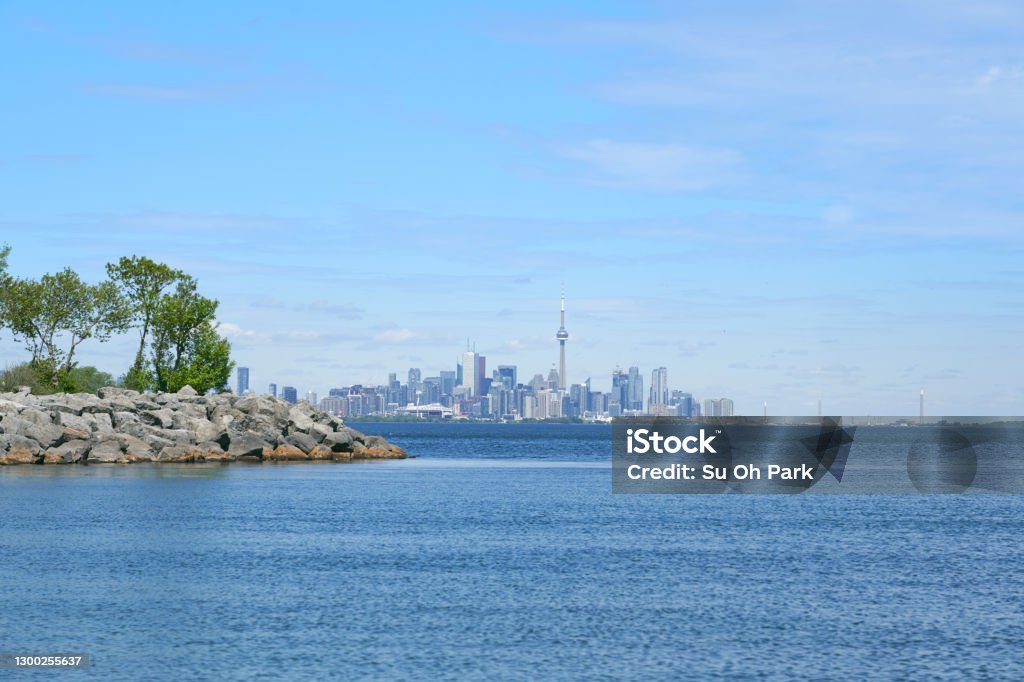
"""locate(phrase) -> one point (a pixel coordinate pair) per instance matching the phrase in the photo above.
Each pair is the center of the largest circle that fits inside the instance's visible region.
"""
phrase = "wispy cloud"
(658, 167)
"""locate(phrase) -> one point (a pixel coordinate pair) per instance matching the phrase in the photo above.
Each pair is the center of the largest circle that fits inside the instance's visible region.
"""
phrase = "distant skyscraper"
(447, 382)
(311, 398)
(414, 378)
(508, 375)
(243, 380)
(290, 394)
(562, 335)
(273, 390)
(684, 401)
(720, 407)
(620, 390)
(659, 387)
(636, 390)
(727, 407)
(470, 373)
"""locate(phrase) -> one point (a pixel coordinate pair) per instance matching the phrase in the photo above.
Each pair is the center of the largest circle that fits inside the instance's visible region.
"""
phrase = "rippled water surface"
(498, 553)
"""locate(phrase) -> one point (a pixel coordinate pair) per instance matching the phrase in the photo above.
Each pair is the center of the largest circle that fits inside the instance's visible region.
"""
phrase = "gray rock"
(106, 451)
(73, 421)
(70, 404)
(163, 418)
(122, 419)
(302, 441)
(299, 421)
(246, 445)
(210, 432)
(45, 434)
(320, 431)
(104, 407)
(137, 449)
(187, 391)
(70, 452)
(109, 392)
(183, 436)
(339, 441)
(37, 417)
(102, 423)
(18, 447)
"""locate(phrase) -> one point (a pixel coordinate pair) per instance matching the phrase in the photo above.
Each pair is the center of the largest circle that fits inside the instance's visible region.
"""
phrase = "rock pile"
(123, 426)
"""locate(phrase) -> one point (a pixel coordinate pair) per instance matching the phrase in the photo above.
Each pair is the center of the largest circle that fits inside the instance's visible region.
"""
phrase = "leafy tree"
(55, 314)
(14, 377)
(5, 251)
(186, 347)
(143, 282)
(88, 379)
(38, 378)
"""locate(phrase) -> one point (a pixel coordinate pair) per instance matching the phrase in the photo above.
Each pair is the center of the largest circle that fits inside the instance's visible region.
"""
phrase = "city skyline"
(812, 203)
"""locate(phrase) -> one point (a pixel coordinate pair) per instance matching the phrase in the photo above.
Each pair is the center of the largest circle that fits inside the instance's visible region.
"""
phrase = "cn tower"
(562, 335)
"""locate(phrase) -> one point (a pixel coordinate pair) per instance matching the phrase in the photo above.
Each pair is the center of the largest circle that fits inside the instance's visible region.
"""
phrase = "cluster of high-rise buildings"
(469, 391)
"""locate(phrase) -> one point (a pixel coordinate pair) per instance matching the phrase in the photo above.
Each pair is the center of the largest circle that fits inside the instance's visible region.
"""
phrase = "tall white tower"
(562, 335)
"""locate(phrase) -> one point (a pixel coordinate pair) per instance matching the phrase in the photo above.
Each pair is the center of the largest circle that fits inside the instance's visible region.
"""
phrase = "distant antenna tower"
(562, 335)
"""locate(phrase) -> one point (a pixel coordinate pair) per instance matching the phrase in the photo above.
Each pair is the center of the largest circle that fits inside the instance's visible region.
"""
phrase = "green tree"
(186, 348)
(143, 282)
(55, 314)
(89, 379)
(5, 251)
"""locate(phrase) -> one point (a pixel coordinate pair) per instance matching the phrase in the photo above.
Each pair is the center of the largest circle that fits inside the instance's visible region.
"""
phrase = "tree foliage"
(186, 347)
(38, 379)
(52, 316)
(143, 283)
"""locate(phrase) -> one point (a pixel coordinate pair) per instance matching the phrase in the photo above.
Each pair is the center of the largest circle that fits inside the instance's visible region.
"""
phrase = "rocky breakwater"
(122, 426)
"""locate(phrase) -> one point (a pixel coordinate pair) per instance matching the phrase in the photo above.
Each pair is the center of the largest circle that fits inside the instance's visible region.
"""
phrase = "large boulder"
(17, 449)
(44, 433)
(247, 445)
(164, 418)
(106, 451)
(339, 441)
(69, 452)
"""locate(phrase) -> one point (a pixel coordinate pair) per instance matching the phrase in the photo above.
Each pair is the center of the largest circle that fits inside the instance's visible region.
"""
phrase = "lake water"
(498, 553)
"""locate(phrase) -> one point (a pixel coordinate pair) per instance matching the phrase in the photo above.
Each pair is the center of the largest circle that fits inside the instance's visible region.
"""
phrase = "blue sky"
(777, 201)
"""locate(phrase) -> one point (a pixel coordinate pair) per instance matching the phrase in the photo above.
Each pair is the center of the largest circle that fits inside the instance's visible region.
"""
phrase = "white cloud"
(996, 74)
(396, 336)
(658, 167)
